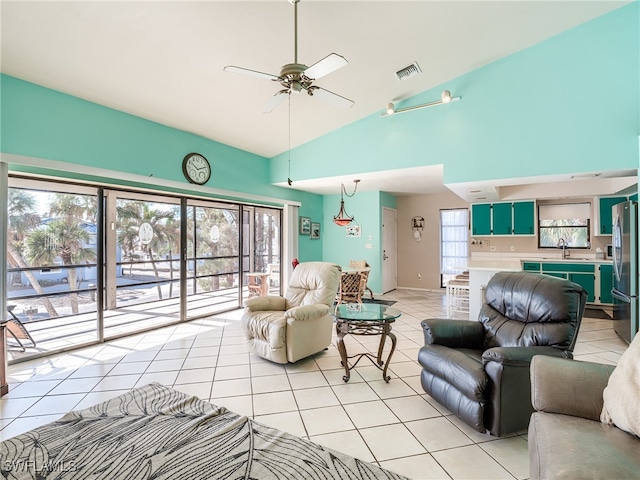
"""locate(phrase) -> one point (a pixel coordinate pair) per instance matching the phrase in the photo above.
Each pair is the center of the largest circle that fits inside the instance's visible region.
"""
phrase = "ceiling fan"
(296, 77)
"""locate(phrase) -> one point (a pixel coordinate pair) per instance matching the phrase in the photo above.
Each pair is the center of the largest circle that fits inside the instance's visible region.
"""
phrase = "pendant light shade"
(342, 219)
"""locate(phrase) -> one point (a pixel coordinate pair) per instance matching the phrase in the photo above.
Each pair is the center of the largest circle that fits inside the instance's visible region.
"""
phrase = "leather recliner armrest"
(518, 356)
(569, 387)
(453, 333)
(268, 303)
(307, 312)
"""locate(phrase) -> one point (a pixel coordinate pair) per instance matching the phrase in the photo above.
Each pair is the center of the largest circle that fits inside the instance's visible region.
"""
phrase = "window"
(568, 222)
(454, 241)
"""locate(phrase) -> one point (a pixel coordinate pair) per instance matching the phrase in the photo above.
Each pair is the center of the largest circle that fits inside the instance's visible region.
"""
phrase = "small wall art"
(353, 231)
(305, 226)
(315, 230)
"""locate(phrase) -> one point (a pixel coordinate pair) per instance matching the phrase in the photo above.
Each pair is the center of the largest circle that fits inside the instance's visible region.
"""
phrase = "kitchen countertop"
(568, 259)
(512, 265)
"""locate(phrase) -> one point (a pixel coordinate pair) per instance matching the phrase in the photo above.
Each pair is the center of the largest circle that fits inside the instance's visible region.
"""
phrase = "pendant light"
(342, 219)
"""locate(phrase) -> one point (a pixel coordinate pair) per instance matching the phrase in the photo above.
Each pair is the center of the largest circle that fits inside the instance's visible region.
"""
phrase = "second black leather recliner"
(479, 370)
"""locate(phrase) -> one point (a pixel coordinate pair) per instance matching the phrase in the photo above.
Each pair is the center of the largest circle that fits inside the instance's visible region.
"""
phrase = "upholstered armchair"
(479, 370)
(286, 329)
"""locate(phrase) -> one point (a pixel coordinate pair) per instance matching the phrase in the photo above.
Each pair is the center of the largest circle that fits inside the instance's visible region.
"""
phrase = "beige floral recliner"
(286, 329)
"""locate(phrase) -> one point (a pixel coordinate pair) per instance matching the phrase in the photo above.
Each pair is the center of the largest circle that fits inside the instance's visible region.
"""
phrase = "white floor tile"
(271, 383)
(289, 422)
(391, 441)
(277, 402)
(422, 467)
(370, 414)
(315, 397)
(438, 434)
(349, 442)
(470, 463)
(319, 421)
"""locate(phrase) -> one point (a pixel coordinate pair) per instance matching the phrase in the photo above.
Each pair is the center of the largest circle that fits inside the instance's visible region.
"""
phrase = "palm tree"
(65, 237)
(131, 215)
(22, 219)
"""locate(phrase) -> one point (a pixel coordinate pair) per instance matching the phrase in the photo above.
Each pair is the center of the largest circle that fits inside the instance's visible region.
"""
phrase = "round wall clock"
(196, 168)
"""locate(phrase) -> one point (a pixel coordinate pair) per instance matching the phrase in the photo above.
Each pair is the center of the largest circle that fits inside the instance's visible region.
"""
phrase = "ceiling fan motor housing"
(292, 77)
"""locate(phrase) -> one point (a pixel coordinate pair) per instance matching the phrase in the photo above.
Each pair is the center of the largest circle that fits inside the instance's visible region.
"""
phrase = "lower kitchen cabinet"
(606, 283)
(584, 274)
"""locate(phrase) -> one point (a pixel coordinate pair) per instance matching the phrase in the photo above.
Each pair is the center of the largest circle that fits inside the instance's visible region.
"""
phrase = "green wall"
(366, 208)
(49, 125)
(567, 105)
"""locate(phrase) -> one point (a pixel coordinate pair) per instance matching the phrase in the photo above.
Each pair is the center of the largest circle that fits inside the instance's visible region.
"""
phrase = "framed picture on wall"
(305, 226)
(353, 231)
(315, 230)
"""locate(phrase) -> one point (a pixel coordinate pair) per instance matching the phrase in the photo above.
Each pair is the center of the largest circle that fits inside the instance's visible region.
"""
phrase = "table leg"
(387, 332)
(383, 339)
(342, 328)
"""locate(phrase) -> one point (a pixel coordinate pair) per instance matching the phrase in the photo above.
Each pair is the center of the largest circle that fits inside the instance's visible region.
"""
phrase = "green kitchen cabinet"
(581, 273)
(606, 283)
(502, 216)
(481, 219)
(586, 281)
(606, 217)
(533, 267)
(524, 218)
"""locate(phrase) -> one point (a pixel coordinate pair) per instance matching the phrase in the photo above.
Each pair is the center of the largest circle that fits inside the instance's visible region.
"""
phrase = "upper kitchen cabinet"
(524, 218)
(605, 216)
(504, 218)
(481, 219)
(502, 215)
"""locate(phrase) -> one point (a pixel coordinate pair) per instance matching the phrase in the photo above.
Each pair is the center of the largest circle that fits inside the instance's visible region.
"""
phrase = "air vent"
(408, 71)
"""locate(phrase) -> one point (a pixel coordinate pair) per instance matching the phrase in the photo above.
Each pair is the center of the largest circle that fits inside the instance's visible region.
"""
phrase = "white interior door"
(389, 249)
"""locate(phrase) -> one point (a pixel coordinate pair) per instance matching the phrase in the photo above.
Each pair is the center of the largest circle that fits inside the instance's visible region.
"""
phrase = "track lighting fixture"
(445, 97)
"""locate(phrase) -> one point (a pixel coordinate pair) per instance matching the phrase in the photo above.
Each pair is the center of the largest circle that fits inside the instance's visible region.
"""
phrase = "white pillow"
(622, 393)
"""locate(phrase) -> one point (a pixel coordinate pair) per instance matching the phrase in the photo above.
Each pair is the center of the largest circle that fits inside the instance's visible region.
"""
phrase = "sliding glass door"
(212, 263)
(51, 267)
(86, 264)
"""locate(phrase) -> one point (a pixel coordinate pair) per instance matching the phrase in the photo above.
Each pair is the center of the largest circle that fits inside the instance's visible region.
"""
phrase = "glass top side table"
(365, 319)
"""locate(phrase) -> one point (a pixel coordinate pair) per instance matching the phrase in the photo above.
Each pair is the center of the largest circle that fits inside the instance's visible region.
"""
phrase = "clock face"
(196, 168)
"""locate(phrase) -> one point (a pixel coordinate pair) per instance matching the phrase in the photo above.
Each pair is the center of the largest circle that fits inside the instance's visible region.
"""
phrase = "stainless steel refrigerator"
(625, 269)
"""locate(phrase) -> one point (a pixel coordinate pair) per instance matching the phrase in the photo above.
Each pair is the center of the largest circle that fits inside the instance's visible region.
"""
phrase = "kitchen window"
(567, 223)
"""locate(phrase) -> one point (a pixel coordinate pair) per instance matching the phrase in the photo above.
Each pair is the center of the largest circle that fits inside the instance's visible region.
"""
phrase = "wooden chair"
(351, 287)
(365, 268)
(17, 329)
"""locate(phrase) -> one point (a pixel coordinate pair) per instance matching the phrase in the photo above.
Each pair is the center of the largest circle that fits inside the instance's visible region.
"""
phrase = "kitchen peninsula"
(480, 272)
(594, 274)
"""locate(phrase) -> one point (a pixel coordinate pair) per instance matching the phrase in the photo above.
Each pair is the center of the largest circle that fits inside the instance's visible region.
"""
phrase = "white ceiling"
(163, 60)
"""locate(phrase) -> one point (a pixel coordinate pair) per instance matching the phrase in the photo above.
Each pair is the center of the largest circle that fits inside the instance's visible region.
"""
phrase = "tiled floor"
(395, 425)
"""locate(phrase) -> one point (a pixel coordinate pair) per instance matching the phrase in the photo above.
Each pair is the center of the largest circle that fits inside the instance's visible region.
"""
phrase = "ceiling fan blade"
(330, 97)
(328, 64)
(274, 101)
(253, 73)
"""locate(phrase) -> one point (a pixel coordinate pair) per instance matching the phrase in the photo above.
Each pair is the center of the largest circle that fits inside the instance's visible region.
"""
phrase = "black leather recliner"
(479, 370)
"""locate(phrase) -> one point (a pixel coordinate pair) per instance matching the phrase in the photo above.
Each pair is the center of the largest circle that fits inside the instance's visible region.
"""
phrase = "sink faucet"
(562, 243)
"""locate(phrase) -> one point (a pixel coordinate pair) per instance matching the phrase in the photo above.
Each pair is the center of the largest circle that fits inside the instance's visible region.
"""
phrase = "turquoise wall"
(366, 208)
(49, 125)
(567, 105)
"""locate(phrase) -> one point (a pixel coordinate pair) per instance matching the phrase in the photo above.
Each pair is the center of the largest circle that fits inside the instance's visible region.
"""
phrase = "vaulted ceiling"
(164, 61)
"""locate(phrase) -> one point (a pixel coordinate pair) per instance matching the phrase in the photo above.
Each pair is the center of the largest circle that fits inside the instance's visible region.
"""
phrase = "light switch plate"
(368, 245)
